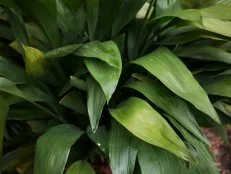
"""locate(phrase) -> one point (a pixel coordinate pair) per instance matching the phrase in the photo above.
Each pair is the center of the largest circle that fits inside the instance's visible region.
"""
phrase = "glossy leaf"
(140, 118)
(62, 51)
(80, 167)
(156, 160)
(175, 75)
(205, 53)
(95, 102)
(105, 51)
(92, 16)
(4, 109)
(205, 161)
(53, 148)
(171, 104)
(122, 152)
(74, 101)
(100, 138)
(105, 71)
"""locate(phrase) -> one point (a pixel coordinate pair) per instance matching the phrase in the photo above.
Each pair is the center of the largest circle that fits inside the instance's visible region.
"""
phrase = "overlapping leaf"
(169, 69)
(140, 118)
(53, 148)
(171, 104)
(122, 152)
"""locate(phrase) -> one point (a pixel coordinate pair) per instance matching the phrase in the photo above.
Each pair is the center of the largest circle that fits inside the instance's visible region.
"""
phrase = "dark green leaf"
(204, 53)
(205, 161)
(127, 11)
(74, 101)
(95, 102)
(220, 85)
(4, 109)
(156, 160)
(63, 51)
(52, 149)
(122, 153)
(92, 16)
(100, 137)
(18, 27)
(41, 15)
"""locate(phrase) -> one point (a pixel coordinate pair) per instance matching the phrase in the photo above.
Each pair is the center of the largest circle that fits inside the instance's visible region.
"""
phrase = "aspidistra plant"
(123, 84)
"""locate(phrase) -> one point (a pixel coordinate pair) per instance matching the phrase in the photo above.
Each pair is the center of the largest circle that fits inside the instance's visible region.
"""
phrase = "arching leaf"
(169, 69)
(143, 121)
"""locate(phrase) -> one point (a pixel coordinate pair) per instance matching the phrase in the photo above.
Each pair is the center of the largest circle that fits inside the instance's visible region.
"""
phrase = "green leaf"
(167, 6)
(53, 148)
(205, 161)
(127, 11)
(92, 16)
(26, 111)
(18, 76)
(218, 86)
(100, 137)
(171, 104)
(62, 51)
(3, 116)
(74, 101)
(80, 167)
(223, 107)
(156, 160)
(220, 11)
(105, 71)
(216, 26)
(105, 51)
(175, 75)
(78, 83)
(140, 119)
(41, 15)
(204, 53)
(95, 102)
(122, 153)
(17, 26)
(105, 75)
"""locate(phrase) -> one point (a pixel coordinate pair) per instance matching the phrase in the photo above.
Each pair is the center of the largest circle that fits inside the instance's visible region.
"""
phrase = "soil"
(221, 150)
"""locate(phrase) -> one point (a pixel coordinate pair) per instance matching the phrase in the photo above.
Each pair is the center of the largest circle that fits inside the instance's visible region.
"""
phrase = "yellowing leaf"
(34, 61)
